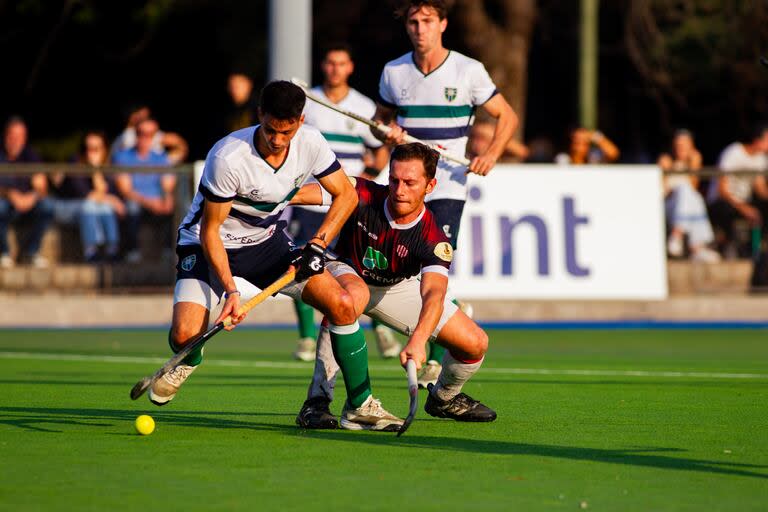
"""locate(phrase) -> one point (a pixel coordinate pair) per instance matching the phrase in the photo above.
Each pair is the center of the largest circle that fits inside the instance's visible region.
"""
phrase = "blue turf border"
(548, 325)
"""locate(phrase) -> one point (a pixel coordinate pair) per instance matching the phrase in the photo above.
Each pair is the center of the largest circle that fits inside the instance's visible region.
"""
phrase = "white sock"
(455, 373)
(326, 369)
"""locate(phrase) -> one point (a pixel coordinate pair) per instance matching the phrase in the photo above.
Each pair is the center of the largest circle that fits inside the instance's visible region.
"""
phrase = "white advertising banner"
(554, 232)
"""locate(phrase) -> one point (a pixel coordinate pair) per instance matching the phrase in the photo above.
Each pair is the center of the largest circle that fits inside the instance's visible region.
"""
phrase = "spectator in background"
(588, 147)
(242, 109)
(481, 135)
(740, 197)
(85, 200)
(22, 198)
(146, 194)
(685, 208)
(170, 143)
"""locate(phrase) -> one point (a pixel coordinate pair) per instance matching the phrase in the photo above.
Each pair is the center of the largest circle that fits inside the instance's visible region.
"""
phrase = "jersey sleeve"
(219, 183)
(386, 97)
(325, 162)
(437, 258)
(482, 87)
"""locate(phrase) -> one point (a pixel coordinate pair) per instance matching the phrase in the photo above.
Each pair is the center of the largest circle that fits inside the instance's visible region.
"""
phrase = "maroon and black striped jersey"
(384, 253)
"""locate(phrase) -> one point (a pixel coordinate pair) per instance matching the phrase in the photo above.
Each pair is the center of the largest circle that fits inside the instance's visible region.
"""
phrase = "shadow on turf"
(32, 418)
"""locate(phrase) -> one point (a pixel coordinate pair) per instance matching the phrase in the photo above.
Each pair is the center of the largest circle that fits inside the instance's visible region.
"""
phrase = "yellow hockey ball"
(145, 425)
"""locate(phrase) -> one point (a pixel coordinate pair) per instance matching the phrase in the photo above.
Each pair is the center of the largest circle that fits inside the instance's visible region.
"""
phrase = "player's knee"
(343, 310)
(181, 334)
(478, 345)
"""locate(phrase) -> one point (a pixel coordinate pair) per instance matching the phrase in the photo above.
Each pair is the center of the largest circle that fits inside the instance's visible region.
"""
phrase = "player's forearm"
(431, 311)
(213, 249)
(342, 206)
(310, 194)
(506, 126)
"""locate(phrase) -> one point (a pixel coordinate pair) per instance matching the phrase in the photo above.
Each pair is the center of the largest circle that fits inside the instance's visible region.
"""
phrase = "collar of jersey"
(413, 61)
(395, 225)
(256, 147)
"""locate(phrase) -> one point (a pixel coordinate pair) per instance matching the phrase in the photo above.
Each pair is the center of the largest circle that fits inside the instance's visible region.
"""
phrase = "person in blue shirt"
(146, 194)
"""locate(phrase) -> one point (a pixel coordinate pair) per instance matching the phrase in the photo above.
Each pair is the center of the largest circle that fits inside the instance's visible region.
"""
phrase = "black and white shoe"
(460, 408)
(316, 414)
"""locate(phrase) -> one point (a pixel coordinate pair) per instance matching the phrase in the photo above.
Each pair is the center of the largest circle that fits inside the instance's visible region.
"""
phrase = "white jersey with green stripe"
(438, 108)
(348, 138)
(236, 171)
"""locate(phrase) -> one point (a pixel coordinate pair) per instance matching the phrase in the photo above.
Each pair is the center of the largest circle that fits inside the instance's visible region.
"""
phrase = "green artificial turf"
(564, 440)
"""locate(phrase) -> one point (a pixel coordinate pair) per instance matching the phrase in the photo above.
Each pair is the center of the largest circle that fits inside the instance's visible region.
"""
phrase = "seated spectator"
(84, 199)
(146, 194)
(740, 197)
(22, 198)
(588, 147)
(170, 143)
(684, 206)
(481, 136)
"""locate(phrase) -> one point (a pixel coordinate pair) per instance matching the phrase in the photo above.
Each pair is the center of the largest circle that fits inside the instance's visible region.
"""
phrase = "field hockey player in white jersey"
(353, 143)
(431, 93)
(232, 240)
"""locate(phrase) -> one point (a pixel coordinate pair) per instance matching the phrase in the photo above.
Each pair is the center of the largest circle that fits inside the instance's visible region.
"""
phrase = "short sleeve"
(386, 97)
(438, 259)
(482, 87)
(218, 183)
(325, 161)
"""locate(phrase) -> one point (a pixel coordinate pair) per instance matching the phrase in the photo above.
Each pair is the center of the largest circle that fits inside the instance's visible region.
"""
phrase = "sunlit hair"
(417, 151)
(438, 5)
(282, 100)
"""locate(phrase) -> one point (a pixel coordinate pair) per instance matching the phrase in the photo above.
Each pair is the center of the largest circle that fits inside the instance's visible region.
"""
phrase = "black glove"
(310, 262)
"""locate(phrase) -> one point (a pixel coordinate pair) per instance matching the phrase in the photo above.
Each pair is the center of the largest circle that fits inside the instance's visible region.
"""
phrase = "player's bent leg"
(189, 321)
(466, 345)
(315, 413)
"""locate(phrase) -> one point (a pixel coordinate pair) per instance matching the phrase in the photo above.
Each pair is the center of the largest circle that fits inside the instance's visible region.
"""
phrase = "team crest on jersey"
(350, 124)
(451, 93)
(255, 195)
(188, 263)
(444, 251)
(401, 250)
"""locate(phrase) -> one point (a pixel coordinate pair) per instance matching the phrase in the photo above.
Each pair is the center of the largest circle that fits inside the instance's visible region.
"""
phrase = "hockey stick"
(413, 392)
(379, 126)
(141, 387)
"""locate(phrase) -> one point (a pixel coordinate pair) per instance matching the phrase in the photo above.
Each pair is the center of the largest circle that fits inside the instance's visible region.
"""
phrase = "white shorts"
(397, 306)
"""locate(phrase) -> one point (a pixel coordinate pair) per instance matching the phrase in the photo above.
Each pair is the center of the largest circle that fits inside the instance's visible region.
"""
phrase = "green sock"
(351, 354)
(194, 358)
(436, 352)
(306, 315)
(375, 323)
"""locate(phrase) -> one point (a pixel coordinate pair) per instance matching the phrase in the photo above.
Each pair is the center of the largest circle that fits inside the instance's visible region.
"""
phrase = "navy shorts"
(447, 214)
(260, 264)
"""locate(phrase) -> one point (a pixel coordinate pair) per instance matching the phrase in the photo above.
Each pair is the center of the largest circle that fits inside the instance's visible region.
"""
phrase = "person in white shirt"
(431, 93)
(352, 142)
(740, 197)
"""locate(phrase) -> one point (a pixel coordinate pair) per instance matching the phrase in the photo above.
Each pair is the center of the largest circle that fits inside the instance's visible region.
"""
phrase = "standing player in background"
(431, 93)
(350, 141)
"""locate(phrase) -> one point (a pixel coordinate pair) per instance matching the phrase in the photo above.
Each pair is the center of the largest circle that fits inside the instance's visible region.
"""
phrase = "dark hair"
(683, 132)
(13, 120)
(417, 151)
(94, 133)
(439, 5)
(282, 100)
(756, 131)
(337, 47)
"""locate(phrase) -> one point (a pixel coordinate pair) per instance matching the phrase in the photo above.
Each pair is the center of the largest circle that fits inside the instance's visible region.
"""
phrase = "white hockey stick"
(379, 126)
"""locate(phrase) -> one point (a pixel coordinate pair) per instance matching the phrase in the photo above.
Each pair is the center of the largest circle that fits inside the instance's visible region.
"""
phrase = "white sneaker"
(429, 374)
(305, 350)
(706, 255)
(675, 246)
(6, 261)
(39, 261)
(466, 308)
(166, 387)
(386, 342)
(369, 416)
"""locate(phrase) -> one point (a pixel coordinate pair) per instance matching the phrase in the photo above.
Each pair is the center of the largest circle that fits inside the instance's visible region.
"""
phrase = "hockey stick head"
(140, 388)
(413, 392)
